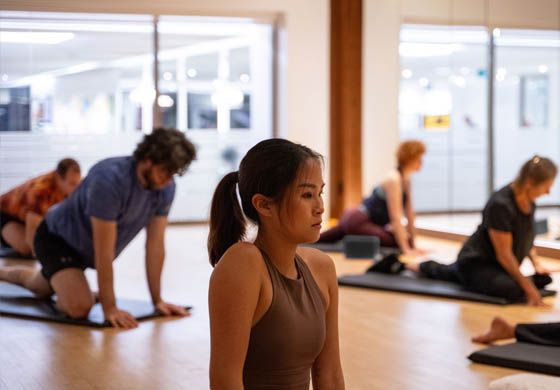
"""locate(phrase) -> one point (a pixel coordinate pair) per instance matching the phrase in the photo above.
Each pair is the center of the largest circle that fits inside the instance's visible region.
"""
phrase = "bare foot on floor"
(499, 329)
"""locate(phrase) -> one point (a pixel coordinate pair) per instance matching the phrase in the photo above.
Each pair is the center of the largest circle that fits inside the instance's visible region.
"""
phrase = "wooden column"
(346, 106)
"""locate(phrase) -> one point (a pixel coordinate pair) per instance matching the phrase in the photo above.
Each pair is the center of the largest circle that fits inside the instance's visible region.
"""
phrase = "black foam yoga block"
(522, 356)
(421, 286)
(360, 247)
(16, 301)
(541, 227)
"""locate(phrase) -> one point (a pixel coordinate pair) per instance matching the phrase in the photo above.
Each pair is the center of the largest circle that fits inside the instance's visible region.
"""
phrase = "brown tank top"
(288, 338)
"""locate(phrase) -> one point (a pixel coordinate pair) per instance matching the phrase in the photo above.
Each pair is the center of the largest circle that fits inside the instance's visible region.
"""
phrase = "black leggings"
(481, 276)
(544, 334)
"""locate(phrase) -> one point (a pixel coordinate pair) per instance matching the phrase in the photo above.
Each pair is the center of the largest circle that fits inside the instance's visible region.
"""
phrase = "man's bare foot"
(499, 329)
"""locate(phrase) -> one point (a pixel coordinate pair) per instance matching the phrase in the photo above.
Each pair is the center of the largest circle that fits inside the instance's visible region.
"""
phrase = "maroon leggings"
(356, 222)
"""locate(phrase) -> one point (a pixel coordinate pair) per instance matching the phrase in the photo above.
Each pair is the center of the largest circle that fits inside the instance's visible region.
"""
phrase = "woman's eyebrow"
(310, 185)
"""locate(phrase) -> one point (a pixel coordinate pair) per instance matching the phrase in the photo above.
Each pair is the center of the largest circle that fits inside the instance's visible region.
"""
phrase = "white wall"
(380, 89)
(381, 24)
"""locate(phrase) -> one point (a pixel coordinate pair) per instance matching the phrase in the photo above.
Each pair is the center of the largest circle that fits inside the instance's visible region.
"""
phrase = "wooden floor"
(388, 340)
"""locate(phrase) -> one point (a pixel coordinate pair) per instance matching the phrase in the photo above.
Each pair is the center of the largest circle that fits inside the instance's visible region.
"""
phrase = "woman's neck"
(521, 196)
(405, 173)
(279, 250)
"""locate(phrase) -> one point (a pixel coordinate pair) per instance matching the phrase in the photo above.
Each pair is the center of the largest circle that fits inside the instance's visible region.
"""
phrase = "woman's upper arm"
(232, 298)
(408, 190)
(501, 241)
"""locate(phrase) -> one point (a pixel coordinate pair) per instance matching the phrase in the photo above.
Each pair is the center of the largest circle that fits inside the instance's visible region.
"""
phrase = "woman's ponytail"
(227, 222)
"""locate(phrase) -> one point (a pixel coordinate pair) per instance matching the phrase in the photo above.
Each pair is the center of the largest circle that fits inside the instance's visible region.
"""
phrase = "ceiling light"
(165, 101)
(46, 38)
(413, 49)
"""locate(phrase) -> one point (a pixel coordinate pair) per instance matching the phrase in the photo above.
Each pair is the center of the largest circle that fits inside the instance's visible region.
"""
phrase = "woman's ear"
(262, 204)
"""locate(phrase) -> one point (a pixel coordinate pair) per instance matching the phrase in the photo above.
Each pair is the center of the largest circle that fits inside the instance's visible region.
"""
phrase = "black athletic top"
(376, 206)
(501, 213)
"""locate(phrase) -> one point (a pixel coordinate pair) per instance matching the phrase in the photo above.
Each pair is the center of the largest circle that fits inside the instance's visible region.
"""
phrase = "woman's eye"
(307, 195)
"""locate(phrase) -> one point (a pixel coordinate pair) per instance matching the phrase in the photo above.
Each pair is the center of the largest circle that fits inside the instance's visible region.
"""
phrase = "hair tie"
(536, 160)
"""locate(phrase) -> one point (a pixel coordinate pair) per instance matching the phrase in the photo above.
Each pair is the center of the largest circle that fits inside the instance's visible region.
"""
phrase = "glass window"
(82, 85)
(526, 102)
(201, 112)
(69, 89)
(443, 102)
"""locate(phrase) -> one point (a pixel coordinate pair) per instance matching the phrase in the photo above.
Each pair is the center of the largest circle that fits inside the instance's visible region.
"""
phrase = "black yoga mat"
(521, 356)
(9, 253)
(420, 286)
(355, 247)
(16, 301)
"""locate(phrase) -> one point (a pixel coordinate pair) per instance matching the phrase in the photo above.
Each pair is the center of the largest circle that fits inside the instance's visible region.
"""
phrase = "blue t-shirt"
(111, 192)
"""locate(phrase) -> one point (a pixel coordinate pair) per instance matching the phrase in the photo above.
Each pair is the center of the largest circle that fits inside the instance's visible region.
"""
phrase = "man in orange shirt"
(22, 209)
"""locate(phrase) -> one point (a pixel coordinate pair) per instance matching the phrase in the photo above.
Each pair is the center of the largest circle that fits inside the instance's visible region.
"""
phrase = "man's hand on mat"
(120, 318)
(168, 309)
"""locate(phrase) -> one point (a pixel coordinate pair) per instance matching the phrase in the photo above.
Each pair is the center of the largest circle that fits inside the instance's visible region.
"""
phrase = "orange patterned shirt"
(36, 195)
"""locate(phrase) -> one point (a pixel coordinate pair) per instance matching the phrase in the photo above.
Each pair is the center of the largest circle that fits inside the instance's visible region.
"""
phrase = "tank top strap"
(275, 277)
(309, 281)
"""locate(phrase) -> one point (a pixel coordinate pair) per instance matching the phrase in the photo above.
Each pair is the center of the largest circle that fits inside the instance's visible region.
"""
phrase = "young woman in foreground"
(273, 306)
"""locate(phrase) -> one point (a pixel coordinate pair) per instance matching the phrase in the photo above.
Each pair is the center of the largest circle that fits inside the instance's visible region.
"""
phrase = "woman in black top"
(380, 214)
(489, 261)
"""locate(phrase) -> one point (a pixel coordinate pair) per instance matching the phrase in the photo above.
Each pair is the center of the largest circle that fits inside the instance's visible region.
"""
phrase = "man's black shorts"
(54, 253)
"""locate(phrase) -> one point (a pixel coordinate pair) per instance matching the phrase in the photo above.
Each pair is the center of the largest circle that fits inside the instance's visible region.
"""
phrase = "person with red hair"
(381, 213)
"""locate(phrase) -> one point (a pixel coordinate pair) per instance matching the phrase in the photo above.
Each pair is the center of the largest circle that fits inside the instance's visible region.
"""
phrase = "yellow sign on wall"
(437, 122)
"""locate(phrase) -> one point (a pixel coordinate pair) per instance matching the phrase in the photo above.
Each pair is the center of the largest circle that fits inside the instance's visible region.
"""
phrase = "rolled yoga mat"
(18, 302)
(521, 356)
(421, 286)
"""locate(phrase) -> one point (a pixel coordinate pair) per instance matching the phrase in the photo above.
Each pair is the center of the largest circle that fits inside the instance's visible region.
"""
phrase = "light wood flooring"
(388, 340)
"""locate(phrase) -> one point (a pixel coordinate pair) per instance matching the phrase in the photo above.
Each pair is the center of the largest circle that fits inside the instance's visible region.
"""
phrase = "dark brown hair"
(538, 170)
(67, 164)
(268, 168)
(168, 147)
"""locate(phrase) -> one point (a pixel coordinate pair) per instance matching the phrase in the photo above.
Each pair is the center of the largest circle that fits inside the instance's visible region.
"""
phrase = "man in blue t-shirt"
(118, 198)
